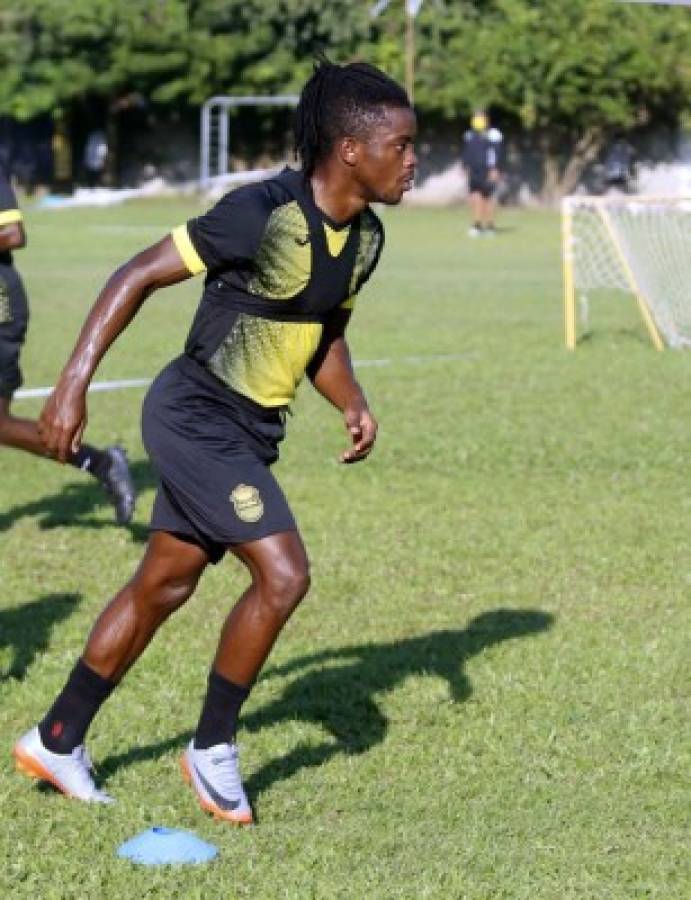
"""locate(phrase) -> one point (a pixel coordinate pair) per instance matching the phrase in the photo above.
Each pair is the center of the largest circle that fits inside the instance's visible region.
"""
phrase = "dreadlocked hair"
(338, 101)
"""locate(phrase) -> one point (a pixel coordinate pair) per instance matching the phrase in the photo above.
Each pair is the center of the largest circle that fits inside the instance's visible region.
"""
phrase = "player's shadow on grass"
(338, 690)
(26, 629)
(77, 503)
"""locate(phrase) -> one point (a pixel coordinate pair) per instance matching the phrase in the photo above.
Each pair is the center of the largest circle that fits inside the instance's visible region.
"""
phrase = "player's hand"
(62, 422)
(362, 427)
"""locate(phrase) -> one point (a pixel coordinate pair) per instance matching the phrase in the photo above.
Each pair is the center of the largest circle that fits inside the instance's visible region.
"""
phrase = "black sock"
(66, 722)
(89, 459)
(219, 718)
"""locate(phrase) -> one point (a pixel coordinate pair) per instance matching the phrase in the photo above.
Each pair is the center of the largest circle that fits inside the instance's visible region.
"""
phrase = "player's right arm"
(12, 236)
(64, 416)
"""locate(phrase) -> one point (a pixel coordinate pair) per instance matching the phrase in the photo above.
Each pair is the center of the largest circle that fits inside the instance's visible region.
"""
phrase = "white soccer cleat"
(68, 772)
(214, 776)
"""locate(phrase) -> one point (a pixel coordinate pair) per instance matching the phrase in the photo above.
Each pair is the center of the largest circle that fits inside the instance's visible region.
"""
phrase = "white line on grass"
(99, 386)
(96, 387)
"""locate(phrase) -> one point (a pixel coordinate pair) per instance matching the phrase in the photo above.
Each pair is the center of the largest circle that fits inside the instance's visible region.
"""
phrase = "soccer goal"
(635, 246)
(214, 137)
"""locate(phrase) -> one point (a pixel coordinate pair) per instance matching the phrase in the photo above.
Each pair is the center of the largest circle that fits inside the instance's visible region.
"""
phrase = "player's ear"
(349, 150)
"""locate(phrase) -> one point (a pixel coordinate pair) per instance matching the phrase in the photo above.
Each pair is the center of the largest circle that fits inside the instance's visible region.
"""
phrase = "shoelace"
(82, 770)
(226, 768)
(81, 773)
(81, 755)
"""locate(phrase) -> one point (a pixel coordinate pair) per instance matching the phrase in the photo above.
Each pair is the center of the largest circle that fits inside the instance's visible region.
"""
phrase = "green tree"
(568, 73)
(59, 55)
(54, 51)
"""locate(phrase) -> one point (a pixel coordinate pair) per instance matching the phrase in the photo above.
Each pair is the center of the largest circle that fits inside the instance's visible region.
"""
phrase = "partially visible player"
(482, 161)
(109, 466)
(283, 260)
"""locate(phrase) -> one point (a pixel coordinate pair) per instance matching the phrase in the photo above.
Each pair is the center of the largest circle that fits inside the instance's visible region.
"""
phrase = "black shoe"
(118, 484)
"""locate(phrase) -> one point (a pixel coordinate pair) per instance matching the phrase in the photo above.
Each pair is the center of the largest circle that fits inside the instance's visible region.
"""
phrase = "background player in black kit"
(284, 260)
(109, 466)
(482, 148)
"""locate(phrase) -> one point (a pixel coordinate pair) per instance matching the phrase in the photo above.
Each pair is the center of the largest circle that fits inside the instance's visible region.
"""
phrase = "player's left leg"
(108, 466)
(476, 207)
(279, 569)
(488, 208)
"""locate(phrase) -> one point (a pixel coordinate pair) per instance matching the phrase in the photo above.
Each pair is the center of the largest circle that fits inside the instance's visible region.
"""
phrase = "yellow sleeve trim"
(9, 216)
(185, 248)
(349, 303)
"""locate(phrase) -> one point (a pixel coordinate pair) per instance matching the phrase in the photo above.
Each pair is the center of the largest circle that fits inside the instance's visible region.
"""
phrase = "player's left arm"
(331, 372)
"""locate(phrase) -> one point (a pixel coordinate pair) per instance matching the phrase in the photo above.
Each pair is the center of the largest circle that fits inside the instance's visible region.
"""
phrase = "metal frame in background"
(220, 107)
(659, 2)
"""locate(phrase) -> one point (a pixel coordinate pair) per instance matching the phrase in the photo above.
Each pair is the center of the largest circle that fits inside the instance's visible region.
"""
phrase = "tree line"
(566, 75)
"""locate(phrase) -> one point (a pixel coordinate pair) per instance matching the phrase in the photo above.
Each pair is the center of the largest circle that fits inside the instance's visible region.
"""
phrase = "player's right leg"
(54, 750)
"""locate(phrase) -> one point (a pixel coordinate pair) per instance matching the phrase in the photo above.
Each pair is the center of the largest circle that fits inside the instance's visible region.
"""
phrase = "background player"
(481, 159)
(283, 261)
(109, 466)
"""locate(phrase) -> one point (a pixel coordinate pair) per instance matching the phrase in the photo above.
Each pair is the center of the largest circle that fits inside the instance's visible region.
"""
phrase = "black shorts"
(479, 183)
(14, 318)
(212, 450)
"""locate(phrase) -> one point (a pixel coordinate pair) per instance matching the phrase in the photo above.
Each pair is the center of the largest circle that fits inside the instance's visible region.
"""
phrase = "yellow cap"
(478, 122)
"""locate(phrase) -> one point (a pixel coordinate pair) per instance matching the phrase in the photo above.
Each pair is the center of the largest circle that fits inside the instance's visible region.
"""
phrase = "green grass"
(486, 694)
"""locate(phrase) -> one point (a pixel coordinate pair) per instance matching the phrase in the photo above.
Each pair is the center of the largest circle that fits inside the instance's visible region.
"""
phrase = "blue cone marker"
(160, 846)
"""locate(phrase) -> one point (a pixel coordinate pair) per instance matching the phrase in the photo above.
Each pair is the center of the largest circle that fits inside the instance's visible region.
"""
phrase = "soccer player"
(109, 466)
(283, 261)
(481, 159)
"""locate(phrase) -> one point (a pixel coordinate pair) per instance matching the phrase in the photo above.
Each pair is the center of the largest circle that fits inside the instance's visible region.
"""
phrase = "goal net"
(636, 246)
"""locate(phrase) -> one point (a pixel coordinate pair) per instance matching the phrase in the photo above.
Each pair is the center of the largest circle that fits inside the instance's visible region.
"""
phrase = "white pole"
(204, 149)
(222, 166)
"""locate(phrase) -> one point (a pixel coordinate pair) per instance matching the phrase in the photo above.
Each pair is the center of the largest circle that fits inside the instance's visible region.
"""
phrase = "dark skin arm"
(64, 416)
(12, 237)
(331, 372)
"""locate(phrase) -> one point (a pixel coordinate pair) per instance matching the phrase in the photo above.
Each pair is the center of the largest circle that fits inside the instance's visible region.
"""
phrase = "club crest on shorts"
(247, 503)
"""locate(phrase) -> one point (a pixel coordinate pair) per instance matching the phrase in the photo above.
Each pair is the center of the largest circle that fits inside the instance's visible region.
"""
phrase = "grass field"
(486, 694)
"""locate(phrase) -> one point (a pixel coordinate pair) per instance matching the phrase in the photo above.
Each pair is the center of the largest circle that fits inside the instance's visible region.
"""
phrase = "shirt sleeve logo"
(247, 503)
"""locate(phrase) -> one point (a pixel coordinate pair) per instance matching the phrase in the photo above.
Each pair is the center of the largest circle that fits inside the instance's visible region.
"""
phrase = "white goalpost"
(635, 246)
(214, 139)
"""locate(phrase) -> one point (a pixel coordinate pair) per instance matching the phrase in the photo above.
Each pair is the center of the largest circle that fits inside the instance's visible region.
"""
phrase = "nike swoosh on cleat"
(220, 801)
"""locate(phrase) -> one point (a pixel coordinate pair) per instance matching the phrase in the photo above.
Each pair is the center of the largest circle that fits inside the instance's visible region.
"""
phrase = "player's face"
(386, 157)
